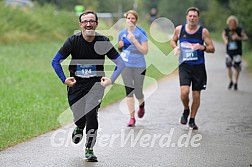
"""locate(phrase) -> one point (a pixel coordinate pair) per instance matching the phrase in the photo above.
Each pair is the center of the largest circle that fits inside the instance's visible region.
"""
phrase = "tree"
(176, 10)
(242, 9)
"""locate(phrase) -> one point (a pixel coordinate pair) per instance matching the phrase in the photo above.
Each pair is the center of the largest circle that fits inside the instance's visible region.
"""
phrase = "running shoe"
(235, 86)
(230, 85)
(77, 135)
(184, 117)
(141, 112)
(132, 122)
(89, 154)
(193, 126)
(183, 120)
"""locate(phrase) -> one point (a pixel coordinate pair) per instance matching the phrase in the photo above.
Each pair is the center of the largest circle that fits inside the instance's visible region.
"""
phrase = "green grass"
(31, 95)
(247, 56)
(40, 24)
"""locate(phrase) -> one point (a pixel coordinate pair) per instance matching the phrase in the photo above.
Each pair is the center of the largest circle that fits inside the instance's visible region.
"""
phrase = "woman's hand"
(131, 37)
(120, 45)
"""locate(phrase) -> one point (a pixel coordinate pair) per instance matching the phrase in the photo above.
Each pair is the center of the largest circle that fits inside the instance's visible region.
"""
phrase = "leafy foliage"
(41, 23)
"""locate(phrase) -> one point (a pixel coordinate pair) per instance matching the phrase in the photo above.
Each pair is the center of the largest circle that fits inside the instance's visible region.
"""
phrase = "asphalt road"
(224, 137)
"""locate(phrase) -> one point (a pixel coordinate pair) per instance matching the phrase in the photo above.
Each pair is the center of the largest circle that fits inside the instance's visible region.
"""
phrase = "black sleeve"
(66, 49)
(103, 46)
(112, 52)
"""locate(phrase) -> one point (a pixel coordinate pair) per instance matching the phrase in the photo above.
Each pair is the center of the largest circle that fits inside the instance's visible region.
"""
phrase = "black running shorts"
(193, 74)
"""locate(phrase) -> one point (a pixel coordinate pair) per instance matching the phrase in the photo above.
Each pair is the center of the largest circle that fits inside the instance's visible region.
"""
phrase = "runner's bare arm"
(244, 36)
(209, 47)
(175, 37)
(224, 37)
(142, 47)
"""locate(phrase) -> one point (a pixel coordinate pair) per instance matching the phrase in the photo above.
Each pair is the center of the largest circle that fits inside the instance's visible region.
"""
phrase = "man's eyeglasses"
(88, 21)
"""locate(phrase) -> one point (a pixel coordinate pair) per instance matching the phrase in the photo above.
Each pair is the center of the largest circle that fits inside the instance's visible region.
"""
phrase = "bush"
(42, 23)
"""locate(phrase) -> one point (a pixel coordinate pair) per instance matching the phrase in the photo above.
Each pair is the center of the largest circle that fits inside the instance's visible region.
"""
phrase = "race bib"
(86, 70)
(125, 55)
(232, 46)
(188, 54)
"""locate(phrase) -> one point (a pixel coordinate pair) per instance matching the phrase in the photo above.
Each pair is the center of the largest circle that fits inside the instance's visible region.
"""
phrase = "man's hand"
(70, 81)
(176, 51)
(105, 81)
(198, 46)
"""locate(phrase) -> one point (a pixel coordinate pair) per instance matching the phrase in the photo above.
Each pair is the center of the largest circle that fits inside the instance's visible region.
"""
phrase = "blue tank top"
(130, 54)
(186, 40)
